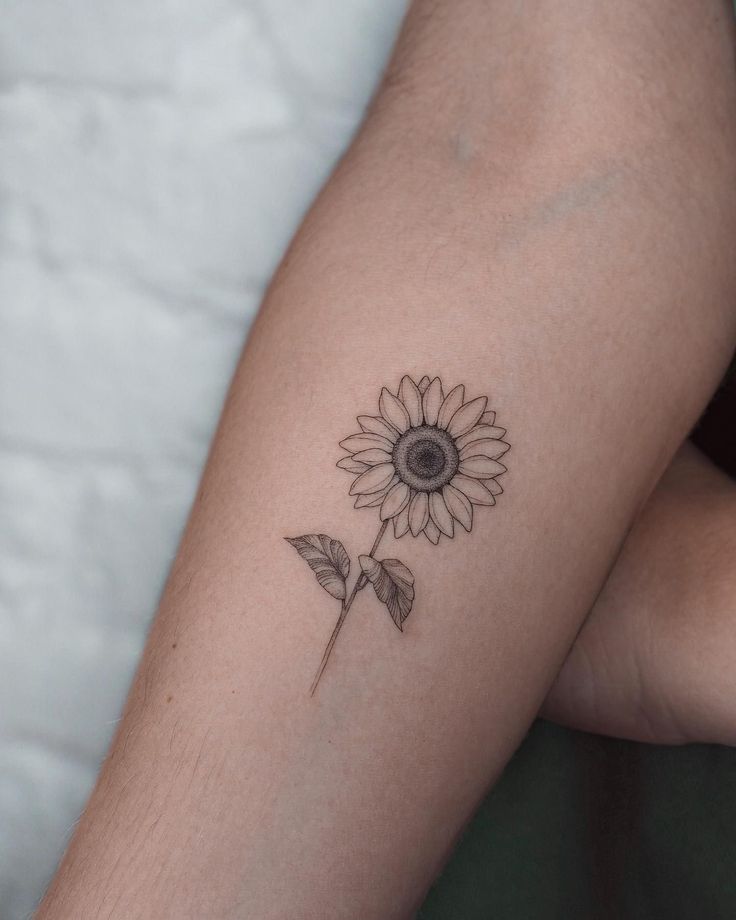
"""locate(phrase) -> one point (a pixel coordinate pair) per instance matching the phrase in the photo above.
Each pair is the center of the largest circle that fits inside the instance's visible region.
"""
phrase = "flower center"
(425, 458)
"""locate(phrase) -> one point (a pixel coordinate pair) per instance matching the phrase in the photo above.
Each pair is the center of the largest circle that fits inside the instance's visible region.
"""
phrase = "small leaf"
(393, 584)
(327, 558)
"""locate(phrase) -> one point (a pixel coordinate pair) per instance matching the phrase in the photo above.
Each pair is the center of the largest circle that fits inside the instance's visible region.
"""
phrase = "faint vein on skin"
(573, 198)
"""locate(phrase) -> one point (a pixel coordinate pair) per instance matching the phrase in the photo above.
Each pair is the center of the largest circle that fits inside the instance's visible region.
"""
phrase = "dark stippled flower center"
(425, 458)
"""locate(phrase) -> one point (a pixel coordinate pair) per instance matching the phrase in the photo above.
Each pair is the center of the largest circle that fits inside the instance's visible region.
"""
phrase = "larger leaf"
(393, 584)
(327, 558)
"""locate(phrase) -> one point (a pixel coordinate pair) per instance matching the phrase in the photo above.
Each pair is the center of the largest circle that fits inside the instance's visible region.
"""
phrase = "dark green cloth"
(586, 828)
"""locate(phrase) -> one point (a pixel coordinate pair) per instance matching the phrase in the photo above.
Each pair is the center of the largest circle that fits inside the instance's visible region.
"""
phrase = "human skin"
(525, 212)
(656, 658)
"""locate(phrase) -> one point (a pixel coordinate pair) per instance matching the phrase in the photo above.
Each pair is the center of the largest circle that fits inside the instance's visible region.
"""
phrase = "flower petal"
(375, 455)
(486, 447)
(351, 465)
(479, 468)
(412, 400)
(377, 426)
(370, 501)
(432, 401)
(466, 417)
(478, 433)
(418, 512)
(393, 410)
(493, 487)
(473, 489)
(357, 442)
(488, 418)
(451, 404)
(373, 480)
(458, 504)
(397, 498)
(401, 523)
(423, 384)
(432, 532)
(439, 513)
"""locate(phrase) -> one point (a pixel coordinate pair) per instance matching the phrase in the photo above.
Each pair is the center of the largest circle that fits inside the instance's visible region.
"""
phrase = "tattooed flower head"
(426, 459)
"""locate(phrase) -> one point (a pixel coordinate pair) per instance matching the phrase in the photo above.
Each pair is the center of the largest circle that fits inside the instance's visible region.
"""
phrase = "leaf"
(393, 584)
(327, 558)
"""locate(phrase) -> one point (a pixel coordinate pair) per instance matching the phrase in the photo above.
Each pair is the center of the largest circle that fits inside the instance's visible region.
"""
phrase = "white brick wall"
(155, 156)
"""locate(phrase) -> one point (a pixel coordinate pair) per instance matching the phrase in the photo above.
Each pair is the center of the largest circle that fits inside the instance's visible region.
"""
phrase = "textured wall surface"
(155, 156)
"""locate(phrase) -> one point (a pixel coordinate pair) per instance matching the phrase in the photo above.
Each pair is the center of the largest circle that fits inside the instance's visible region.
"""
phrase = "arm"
(512, 218)
(655, 660)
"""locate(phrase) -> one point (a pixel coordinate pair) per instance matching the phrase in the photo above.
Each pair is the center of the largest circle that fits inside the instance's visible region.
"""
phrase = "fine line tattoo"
(423, 461)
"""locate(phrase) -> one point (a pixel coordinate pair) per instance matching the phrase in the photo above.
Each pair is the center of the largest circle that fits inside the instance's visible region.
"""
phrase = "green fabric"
(585, 828)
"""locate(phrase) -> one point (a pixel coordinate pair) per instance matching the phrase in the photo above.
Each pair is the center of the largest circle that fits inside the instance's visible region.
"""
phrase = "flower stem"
(346, 605)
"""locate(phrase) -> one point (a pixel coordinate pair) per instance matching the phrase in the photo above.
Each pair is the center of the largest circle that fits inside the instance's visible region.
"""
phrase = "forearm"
(656, 658)
(495, 226)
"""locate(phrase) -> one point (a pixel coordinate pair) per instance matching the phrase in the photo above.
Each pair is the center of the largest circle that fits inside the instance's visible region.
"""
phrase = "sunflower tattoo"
(424, 461)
